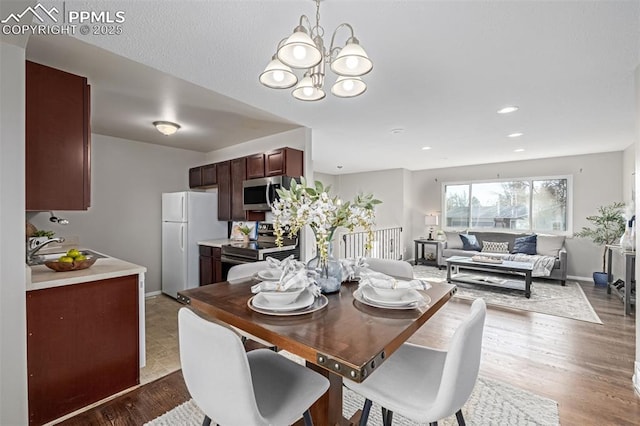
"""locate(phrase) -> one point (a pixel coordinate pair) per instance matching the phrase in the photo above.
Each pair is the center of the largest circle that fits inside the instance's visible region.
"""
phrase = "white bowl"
(391, 293)
(282, 297)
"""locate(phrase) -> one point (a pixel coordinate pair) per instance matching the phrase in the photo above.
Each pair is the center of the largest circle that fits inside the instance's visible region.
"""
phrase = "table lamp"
(430, 221)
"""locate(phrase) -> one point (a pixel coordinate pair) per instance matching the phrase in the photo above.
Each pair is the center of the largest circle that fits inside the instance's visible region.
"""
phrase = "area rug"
(547, 297)
(491, 403)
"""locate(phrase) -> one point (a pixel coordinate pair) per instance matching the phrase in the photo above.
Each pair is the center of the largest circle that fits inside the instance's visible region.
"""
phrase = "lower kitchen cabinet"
(82, 345)
(210, 265)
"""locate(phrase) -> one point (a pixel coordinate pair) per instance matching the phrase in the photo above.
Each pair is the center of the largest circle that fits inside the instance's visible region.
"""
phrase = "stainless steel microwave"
(259, 194)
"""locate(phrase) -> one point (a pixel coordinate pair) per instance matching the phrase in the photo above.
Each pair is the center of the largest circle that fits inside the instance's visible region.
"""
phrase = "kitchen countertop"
(216, 243)
(104, 268)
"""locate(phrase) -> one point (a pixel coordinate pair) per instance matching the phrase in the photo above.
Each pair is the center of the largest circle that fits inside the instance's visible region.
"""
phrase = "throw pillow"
(469, 242)
(525, 245)
(495, 247)
(549, 245)
(453, 240)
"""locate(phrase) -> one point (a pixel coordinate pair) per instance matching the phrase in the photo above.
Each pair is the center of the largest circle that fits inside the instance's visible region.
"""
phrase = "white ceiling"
(441, 70)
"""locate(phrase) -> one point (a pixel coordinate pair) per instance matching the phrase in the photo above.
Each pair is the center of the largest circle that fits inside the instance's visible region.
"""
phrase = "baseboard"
(152, 293)
(577, 278)
(636, 378)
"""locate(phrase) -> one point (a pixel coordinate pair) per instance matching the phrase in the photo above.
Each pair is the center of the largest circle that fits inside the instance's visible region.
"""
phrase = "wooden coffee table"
(506, 267)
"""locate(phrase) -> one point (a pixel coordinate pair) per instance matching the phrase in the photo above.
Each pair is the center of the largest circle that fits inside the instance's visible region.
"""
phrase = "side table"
(628, 262)
(419, 252)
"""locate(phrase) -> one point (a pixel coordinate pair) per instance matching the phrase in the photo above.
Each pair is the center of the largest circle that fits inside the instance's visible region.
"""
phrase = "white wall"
(13, 334)
(628, 176)
(124, 220)
(296, 138)
(597, 180)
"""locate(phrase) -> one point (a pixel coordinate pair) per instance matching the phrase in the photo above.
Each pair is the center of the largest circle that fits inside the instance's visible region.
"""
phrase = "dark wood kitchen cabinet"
(210, 265)
(283, 161)
(203, 176)
(255, 166)
(82, 345)
(238, 175)
(57, 147)
(224, 190)
(195, 177)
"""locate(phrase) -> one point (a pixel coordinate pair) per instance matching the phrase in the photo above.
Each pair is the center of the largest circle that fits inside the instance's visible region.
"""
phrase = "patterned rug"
(491, 403)
(547, 296)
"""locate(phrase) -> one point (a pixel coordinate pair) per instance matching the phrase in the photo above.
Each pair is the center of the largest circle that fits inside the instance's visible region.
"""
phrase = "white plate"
(305, 299)
(319, 303)
(407, 297)
(270, 274)
(417, 304)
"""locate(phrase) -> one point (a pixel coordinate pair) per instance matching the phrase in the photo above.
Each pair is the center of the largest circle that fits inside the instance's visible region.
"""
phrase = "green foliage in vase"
(608, 226)
(302, 205)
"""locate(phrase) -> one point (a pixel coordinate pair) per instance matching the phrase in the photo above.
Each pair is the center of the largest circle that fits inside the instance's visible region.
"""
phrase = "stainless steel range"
(253, 251)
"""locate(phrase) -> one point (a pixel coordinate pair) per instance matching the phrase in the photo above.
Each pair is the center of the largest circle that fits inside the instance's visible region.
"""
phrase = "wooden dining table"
(344, 339)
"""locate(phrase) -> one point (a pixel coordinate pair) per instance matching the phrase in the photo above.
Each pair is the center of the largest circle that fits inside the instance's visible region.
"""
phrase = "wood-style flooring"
(585, 367)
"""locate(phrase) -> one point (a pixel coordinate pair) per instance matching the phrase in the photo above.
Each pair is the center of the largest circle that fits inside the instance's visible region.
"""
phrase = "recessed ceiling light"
(339, 167)
(515, 135)
(397, 131)
(519, 150)
(425, 148)
(508, 109)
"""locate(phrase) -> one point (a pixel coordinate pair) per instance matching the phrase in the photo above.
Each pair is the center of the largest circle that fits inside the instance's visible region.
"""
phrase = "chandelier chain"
(317, 29)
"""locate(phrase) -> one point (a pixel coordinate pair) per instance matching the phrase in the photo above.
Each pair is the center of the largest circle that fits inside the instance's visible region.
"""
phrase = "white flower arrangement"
(301, 205)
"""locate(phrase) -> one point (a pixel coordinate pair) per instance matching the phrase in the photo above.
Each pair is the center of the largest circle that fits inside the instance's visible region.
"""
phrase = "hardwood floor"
(585, 367)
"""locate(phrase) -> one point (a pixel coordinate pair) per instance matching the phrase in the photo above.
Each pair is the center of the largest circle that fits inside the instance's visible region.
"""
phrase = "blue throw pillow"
(525, 245)
(469, 242)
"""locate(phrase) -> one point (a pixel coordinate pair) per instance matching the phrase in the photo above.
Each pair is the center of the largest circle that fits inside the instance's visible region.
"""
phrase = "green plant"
(245, 229)
(608, 227)
(42, 233)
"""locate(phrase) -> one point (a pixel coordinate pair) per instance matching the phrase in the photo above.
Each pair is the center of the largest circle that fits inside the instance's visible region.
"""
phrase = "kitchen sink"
(39, 259)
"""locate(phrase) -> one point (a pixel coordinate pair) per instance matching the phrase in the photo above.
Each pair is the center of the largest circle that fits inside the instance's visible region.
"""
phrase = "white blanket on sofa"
(542, 265)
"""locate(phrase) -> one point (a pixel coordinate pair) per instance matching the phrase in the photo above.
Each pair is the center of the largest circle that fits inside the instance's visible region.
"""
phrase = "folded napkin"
(380, 280)
(351, 268)
(293, 279)
(286, 264)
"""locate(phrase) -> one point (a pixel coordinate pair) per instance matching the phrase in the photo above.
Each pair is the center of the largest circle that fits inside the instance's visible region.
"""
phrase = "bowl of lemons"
(72, 260)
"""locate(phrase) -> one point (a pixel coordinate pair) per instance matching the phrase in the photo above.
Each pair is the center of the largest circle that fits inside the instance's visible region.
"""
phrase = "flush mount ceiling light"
(167, 128)
(508, 109)
(305, 49)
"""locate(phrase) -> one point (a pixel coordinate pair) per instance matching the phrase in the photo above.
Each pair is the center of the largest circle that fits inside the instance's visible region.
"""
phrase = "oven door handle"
(234, 260)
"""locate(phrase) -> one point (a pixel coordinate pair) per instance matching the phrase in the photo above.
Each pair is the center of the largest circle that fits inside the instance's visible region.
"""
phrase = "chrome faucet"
(33, 250)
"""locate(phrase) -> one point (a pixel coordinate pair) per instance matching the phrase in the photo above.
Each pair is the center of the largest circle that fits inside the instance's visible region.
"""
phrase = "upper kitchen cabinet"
(57, 140)
(255, 166)
(283, 161)
(238, 175)
(203, 176)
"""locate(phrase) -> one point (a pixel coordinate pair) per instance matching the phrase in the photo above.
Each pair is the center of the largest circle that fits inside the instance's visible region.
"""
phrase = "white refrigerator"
(187, 217)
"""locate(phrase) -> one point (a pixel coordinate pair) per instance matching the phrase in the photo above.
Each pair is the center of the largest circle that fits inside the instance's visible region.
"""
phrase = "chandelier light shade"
(307, 91)
(348, 87)
(352, 60)
(305, 50)
(277, 75)
(167, 128)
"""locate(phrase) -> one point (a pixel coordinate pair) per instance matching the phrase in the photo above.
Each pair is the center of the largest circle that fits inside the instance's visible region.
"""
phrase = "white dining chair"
(238, 274)
(234, 387)
(425, 384)
(397, 268)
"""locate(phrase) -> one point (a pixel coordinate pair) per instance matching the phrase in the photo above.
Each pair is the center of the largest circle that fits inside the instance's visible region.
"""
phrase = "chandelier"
(305, 49)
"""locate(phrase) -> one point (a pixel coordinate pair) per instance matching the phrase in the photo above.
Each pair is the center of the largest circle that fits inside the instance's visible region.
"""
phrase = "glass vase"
(329, 271)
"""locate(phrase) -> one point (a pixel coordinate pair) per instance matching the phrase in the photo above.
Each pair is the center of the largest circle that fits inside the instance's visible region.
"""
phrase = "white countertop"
(215, 243)
(104, 268)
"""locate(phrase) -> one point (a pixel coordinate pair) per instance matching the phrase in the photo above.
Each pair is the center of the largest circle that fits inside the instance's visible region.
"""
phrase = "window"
(533, 204)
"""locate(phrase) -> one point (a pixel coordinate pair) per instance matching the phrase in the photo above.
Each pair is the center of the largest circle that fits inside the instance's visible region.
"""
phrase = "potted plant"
(608, 227)
(246, 230)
